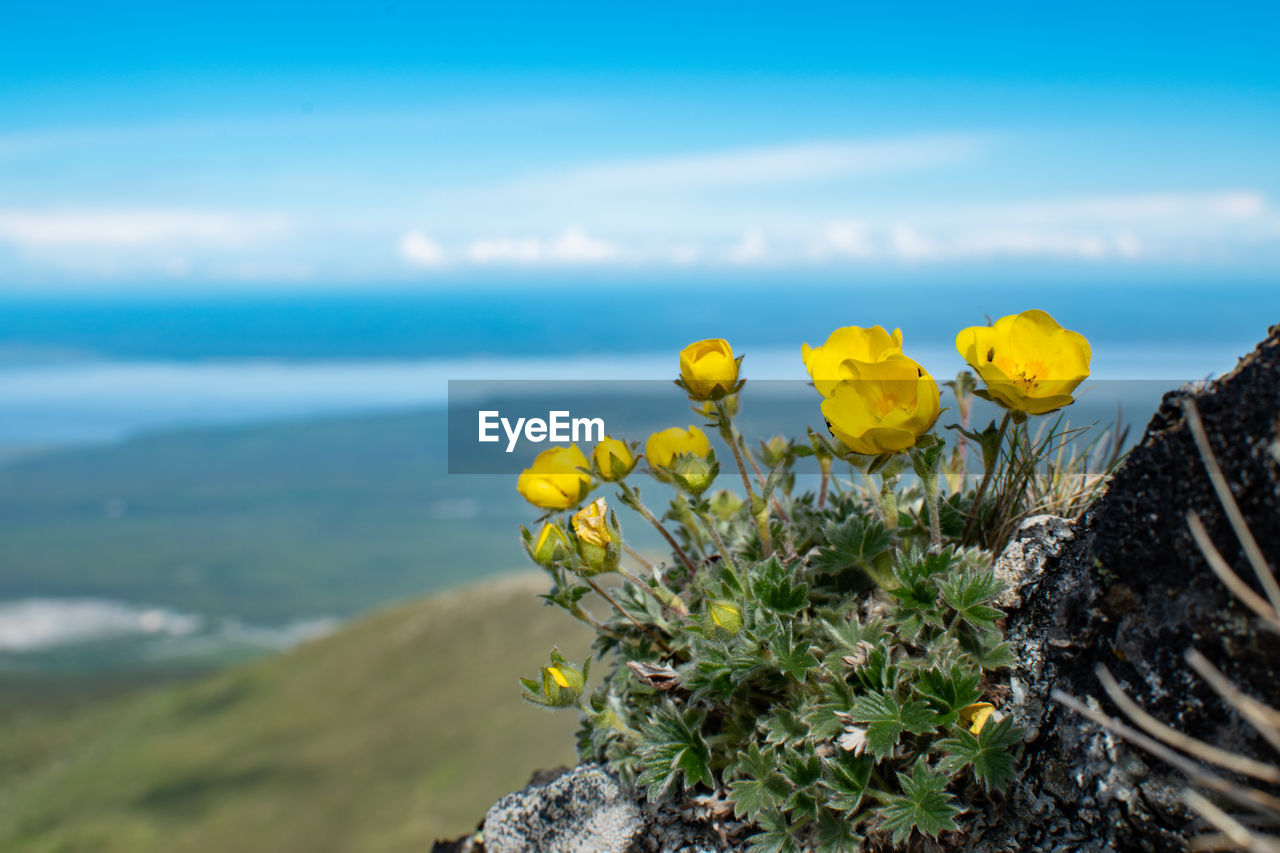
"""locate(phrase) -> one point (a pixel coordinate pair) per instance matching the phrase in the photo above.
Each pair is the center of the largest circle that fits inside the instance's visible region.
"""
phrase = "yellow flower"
(976, 715)
(1029, 362)
(663, 447)
(553, 481)
(590, 524)
(708, 369)
(613, 459)
(825, 363)
(883, 407)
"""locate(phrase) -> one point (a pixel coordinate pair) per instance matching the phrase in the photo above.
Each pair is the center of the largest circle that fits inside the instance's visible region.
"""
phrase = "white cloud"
(419, 250)
(573, 246)
(751, 249)
(133, 229)
(791, 163)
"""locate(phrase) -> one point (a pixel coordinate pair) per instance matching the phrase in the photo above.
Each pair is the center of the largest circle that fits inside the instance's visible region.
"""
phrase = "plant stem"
(931, 501)
(672, 602)
(825, 465)
(759, 509)
(986, 477)
(715, 536)
(631, 552)
(600, 592)
(644, 511)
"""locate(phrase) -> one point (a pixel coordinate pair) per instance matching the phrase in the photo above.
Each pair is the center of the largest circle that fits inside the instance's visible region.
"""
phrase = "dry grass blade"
(1240, 793)
(1239, 836)
(1229, 505)
(1263, 718)
(1197, 748)
(1229, 578)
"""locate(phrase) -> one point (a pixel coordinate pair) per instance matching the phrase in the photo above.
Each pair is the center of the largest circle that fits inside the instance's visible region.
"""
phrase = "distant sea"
(92, 368)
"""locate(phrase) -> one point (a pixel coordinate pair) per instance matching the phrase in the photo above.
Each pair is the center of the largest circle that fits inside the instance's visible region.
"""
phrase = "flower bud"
(723, 617)
(708, 370)
(664, 447)
(774, 451)
(694, 473)
(725, 504)
(556, 479)
(560, 685)
(599, 540)
(612, 459)
(551, 546)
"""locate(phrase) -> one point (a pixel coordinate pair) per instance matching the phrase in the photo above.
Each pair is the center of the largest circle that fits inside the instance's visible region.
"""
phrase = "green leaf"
(671, 747)
(775, 837)
(771, 584)
(852, 543)
(834, 834)
(887, 718)
(847, 780)
(822, 718)
(791, 656)
(967, 593)
(924, 804)
(948, 690)
(761, 788)
(988, 753)
(784, 728)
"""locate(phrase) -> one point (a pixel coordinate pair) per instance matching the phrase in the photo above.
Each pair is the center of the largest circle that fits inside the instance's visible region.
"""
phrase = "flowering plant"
(808, 670)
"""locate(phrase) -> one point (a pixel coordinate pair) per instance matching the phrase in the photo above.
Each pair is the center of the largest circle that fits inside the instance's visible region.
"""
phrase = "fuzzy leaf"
(775, 836)
(887, 719)
(924, 804)
(967, 594)
(835, 835)
(987, 753)
(761, 789)
(852, 543)
(822, 718)
(791, 656)
(771, 583)
(948, 690)
(847, 782)
(784, 728)
(671, 747)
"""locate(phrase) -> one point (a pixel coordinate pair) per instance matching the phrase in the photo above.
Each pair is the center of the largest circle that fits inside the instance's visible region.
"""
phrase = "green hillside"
(264, 522)
(400, 728)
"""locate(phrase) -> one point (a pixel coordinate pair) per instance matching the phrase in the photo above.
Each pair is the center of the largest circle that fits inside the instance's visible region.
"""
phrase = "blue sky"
(265, 145)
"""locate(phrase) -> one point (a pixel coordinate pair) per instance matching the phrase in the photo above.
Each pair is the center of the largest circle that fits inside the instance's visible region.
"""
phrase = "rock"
(583, 811)
(1039, 539)
(587, 810)
(1128, 589)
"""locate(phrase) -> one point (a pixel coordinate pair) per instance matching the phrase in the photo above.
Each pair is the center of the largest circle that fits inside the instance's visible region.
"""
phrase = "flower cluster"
(827, 665)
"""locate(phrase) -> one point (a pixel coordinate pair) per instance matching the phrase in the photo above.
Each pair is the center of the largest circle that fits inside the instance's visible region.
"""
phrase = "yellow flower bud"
(560, 684)
(825, 363)
(598, 538)
(1029, 362)
(663, 447)
(883, 407)
(725, 504)
(774, 450)
(723, 617)
(976, 715)
(551, 546)
(554, 480)
(708, 369)
(590, 524)
(613, 459)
